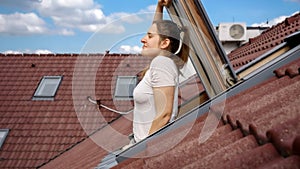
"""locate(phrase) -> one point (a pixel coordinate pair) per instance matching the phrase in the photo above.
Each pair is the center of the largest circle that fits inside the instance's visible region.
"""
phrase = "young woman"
(155, 97)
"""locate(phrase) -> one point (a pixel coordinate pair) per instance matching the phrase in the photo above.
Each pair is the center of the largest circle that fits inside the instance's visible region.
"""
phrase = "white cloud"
(111, 28)
(12, 52)
(38, 51)
(42, 51)
(22, 24)
(28, 24)
(150, 9)
(66, 32)
(79, 18)
(130, 49)
(125, 17)
(66, 16)
(83, 15)
(272, 22)
(82, 4)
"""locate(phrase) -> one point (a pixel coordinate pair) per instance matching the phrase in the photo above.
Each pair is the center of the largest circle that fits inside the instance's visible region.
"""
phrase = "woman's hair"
(170, 30)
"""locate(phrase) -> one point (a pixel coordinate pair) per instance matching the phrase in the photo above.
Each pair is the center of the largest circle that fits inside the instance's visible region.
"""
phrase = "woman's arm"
(163, 96)
(159, 9)
(163, 99)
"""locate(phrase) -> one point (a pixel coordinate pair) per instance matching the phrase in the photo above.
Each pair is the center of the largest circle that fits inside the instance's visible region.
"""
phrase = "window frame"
(2, 140)
(207, 54)
(117, 95)
(37, 96)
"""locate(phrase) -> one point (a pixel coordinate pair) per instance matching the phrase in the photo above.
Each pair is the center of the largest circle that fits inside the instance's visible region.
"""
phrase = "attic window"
(47, 88)
(124, 87)
(3, 134)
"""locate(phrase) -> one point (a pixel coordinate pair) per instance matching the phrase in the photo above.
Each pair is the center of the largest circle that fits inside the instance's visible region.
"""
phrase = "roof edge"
(65, 54)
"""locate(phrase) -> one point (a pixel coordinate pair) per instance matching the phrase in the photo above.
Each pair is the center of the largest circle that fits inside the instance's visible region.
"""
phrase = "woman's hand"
(159, 9)
(166, 3)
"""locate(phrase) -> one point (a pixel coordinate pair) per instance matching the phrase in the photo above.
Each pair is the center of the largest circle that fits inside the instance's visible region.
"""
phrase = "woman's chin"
(150, 52)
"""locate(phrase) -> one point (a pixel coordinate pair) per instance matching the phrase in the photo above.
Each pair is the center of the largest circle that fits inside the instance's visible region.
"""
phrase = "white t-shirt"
(162, 72)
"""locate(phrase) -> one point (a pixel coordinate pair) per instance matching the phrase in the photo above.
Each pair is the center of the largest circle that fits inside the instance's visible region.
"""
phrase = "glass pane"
(48, 87)
(125, 86)
(191, 91)
(3, 134)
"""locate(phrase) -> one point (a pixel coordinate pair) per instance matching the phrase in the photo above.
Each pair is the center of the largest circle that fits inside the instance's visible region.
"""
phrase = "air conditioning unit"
(232, 31)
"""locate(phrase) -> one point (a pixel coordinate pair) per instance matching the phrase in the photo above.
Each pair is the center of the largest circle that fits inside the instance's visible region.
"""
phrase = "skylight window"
(47, 88)
(124, 87)
(3, 134)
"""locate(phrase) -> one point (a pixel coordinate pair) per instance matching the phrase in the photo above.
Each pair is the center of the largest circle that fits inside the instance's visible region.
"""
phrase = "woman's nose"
(143, 40)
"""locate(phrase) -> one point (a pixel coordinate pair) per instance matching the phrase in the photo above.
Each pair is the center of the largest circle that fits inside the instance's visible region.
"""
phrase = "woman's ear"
(164, 44)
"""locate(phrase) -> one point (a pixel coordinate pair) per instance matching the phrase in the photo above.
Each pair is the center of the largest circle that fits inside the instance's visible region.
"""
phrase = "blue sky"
(93, 26)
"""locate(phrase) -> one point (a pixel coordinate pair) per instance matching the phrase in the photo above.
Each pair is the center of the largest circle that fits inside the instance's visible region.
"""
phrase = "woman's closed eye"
(150, 35)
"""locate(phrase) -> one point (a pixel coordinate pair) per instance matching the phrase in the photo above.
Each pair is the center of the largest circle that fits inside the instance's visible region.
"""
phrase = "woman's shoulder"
(162, 61)
(163, 64)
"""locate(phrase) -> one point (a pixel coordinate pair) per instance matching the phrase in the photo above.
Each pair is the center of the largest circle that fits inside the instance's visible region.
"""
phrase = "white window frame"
(40, 95)
(119, 94)
(3, 137)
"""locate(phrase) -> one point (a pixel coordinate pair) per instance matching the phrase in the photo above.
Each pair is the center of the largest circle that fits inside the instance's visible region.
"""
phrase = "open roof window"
(3, 134)
(47, 88)
(208, 71)
(207, 55)
(124, 87)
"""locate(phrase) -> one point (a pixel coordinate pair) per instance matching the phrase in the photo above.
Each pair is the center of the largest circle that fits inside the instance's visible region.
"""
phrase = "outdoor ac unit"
(232, 31)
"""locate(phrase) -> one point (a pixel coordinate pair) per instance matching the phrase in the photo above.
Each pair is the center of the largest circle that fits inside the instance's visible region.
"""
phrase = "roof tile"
(284, 134)
(292, 162)
(264, 42)
(225, 153)
(252, 158)
(292, 69)
(256, 101)
(189, 148)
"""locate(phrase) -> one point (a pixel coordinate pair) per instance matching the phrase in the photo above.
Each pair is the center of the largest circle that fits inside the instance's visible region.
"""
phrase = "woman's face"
(151, 42)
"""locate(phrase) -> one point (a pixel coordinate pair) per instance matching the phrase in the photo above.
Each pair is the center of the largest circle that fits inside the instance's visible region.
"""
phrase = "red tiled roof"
(260, 129)
(264, 42)
(41, 131)
(46, 133)
(88, 153)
